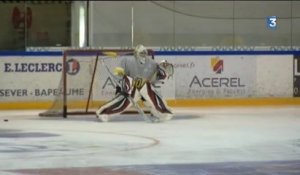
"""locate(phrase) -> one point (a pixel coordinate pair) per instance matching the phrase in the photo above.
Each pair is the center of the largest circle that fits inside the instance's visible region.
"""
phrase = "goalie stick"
(140, 111)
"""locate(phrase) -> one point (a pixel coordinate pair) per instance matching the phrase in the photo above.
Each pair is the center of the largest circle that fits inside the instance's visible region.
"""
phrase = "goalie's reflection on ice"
(135, 79)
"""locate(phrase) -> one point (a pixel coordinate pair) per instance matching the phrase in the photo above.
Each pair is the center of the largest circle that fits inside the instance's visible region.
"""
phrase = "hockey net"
(85, 83)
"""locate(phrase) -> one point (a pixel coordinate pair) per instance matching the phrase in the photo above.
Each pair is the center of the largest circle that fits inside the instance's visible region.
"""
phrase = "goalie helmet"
(140, 53)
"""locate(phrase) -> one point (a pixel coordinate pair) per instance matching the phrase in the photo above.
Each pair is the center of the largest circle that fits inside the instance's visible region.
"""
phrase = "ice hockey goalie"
(136, 76)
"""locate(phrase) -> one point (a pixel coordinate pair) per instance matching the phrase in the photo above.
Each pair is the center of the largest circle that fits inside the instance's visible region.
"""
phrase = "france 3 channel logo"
(272, 22)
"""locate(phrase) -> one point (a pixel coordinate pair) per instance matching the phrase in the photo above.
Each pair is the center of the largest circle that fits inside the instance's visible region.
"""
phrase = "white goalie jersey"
(149, 71)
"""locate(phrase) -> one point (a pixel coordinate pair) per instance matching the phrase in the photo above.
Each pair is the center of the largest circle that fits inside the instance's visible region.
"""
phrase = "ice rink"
(202, 141)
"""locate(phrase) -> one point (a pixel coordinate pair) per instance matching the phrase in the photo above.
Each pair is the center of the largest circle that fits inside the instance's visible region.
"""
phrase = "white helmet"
(140, 53)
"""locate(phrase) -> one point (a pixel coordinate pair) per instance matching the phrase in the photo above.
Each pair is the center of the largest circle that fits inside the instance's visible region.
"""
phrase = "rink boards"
(30, 80)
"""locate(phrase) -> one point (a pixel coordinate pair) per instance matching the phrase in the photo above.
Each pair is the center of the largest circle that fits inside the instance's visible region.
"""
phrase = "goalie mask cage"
(85, 84)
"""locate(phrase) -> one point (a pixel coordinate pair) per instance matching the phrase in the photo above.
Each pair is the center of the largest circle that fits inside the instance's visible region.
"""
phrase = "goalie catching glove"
(167, 67)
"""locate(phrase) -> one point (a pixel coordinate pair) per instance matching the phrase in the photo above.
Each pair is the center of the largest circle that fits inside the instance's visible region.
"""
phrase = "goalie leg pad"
(159, 107)
(116, 106)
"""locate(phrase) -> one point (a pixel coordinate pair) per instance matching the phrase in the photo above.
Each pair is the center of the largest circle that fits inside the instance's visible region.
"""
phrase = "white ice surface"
(195, 135)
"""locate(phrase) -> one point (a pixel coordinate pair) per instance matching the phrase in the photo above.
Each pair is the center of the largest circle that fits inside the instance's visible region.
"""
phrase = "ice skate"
(102, 117)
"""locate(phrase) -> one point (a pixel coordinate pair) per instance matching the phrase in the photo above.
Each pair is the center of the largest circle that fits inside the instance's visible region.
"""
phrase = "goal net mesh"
(85, 83)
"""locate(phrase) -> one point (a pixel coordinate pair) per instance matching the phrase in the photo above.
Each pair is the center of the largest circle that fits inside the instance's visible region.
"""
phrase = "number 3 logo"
(272, 22)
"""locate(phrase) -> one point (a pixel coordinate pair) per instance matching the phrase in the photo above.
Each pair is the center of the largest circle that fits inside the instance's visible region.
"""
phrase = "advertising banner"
(226, 76)
(29, 78)
(274, 76)
(39, 78)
